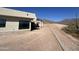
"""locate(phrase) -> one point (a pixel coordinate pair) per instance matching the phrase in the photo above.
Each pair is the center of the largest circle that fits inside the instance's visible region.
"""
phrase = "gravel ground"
(48, 38)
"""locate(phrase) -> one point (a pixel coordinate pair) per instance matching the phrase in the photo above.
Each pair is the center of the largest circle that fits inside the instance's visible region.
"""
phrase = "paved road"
(48, 38)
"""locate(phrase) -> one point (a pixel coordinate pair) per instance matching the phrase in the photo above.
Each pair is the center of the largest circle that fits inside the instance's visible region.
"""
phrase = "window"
(23, 24)
(2, 22)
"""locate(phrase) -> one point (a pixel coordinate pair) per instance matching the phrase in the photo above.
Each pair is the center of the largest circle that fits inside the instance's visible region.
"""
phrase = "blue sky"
(51, 13)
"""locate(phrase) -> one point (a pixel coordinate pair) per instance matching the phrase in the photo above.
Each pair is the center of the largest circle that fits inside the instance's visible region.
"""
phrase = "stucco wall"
(10, 26)
(12, 18)
(13, 26)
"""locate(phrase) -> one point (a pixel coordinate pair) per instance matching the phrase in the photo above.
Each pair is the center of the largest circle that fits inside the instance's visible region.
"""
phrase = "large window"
(23, 24)
(2, 22)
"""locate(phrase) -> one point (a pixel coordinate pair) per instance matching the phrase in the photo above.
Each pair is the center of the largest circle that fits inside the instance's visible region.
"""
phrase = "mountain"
(45, 20)
(69, 21)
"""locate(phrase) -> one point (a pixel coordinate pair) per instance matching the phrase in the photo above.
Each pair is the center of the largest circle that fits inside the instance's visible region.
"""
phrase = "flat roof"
(16, 13)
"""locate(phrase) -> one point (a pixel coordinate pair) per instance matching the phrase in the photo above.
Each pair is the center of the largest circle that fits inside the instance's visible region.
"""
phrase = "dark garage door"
(23, 24)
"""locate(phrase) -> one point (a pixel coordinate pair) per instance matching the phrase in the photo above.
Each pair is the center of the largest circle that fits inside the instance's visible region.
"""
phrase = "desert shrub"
(71, 29)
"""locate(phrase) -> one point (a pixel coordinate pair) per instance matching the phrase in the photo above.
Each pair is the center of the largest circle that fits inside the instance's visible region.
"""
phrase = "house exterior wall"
(10, 26)
(13, 17)
(13, 26)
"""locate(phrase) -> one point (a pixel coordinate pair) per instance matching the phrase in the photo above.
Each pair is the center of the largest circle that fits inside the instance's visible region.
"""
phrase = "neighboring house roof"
(16, 13)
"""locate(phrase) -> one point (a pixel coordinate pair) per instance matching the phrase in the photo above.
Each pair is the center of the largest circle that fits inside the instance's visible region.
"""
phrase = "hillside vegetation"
(72, 28)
